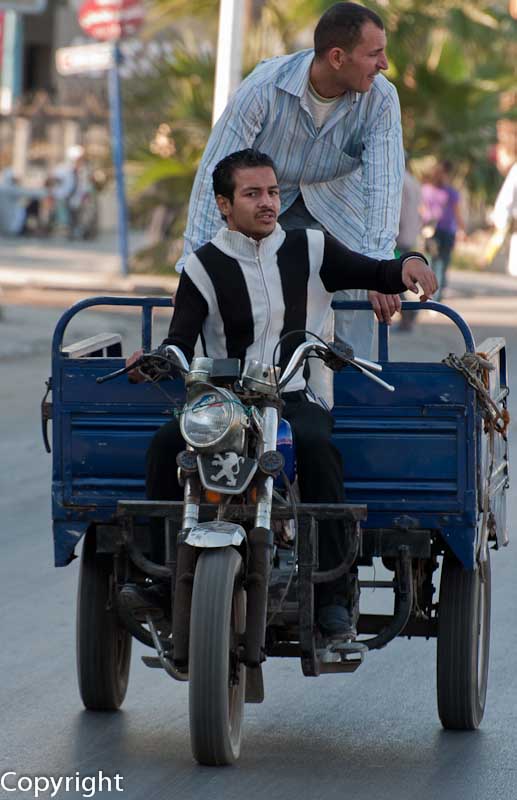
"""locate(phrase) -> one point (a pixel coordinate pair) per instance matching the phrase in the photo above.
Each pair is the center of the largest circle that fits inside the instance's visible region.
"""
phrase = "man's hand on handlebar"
(414, 272)
(140, 367)
(135, 375)
(384, 305)
(167, 361)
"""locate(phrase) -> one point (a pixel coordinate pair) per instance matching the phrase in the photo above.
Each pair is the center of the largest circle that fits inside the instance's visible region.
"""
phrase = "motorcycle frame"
(404, 548)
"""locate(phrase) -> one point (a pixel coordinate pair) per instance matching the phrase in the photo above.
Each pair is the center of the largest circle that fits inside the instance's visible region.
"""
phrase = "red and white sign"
(110, 20)
(84, 58)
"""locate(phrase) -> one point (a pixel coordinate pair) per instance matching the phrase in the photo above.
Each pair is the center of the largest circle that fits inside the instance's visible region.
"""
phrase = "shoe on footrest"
(335, 621)
(143, 601)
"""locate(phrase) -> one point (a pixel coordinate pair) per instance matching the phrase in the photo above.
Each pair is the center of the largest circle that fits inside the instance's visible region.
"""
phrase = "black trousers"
(320, 477)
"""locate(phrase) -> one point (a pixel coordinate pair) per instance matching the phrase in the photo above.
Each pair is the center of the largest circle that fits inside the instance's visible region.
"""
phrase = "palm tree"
(168, 119)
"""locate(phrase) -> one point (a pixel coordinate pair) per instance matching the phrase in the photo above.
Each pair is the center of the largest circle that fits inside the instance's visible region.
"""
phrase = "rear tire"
(103, 645)
(217, 679)
(463, 645)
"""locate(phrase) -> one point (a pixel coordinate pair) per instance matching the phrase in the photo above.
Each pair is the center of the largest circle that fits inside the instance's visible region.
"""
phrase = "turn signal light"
(213, 497)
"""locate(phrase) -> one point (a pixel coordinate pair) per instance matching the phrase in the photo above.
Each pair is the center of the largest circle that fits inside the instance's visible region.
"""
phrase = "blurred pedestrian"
(441, 212)
(74, 194)
(12, 204)
(409, 230)
(504, 217)
(19, 207)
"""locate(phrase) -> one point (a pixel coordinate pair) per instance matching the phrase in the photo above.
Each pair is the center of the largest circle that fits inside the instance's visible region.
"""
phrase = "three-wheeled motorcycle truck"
(426, 472)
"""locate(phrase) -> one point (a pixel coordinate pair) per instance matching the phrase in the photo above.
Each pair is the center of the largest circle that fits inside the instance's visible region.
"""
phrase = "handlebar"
(336, 356)
(111, 375)
(155, 365)
(168, 359)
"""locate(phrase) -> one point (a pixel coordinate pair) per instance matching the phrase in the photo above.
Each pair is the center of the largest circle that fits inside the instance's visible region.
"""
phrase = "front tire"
(463, 644)
(103, 645)
(217, 679)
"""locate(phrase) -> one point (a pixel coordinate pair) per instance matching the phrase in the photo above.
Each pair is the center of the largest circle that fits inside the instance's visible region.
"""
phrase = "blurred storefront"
(41, 113)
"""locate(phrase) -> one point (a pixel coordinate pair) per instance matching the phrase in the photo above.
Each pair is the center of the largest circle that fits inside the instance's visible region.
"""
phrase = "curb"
(470, 283)
(36, 279)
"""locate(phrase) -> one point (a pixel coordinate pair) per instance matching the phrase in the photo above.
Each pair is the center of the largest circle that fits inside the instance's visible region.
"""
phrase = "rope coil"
(475, 368)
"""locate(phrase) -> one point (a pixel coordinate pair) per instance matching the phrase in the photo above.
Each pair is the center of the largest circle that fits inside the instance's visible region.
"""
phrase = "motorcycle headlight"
(214, 420)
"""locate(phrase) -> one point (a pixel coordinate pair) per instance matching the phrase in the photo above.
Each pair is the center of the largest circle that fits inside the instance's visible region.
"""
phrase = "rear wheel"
(103, 645)
(217, 678)
(463, 644)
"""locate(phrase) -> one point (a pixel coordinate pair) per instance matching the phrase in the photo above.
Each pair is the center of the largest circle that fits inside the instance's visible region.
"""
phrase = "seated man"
(241, 292)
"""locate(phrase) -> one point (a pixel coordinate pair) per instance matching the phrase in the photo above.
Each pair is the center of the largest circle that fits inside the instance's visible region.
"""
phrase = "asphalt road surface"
(374, 734)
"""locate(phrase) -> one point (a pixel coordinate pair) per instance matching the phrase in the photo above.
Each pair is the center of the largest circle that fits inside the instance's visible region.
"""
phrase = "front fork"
(260, 551)
(265, 493)
(181, 560)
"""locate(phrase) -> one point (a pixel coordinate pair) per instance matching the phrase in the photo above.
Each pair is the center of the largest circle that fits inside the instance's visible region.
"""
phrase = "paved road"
(371, 735)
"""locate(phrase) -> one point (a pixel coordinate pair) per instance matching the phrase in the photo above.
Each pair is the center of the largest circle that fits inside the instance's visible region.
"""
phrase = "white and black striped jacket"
(242, 295)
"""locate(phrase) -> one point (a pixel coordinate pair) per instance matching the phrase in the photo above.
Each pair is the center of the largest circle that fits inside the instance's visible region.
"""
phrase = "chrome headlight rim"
(234, 422)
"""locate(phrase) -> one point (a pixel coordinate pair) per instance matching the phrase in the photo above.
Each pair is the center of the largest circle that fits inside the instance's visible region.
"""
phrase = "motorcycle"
(242, 580)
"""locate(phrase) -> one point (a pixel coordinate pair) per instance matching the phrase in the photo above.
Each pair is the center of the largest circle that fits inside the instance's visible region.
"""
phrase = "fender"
(213, 534)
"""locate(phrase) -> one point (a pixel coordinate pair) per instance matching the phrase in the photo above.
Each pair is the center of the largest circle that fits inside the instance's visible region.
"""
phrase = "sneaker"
(144, 601)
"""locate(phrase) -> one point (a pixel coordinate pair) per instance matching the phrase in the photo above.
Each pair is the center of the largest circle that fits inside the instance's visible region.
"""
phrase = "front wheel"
(103, 645)
(217, 677)
(463, 644)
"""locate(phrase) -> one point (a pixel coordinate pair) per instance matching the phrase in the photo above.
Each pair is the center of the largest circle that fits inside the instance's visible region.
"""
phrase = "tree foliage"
(168, 119)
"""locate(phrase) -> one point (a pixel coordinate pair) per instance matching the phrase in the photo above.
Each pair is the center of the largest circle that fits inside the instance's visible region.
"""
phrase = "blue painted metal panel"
(462, 541)
(416, 385)
(80, 389)
(412, 455)
(110, 446)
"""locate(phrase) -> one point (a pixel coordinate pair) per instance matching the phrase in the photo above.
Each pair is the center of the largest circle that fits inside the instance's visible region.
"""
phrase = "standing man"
(331, 122)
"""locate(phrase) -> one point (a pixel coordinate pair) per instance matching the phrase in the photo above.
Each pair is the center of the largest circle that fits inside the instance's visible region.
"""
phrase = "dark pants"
(444, 241)
(320, 476)
(298, 216)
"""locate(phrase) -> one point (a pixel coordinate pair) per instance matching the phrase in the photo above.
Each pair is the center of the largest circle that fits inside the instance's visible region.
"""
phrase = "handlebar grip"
(111, 375)
(365, 362)
(373, 377)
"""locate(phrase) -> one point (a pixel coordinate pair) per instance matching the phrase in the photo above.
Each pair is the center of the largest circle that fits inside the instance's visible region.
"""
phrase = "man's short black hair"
(341, 26)
(222, 176)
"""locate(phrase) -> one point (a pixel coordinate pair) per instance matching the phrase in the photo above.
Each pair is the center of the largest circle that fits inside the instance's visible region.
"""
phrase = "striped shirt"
(349, 172)
(242, 296)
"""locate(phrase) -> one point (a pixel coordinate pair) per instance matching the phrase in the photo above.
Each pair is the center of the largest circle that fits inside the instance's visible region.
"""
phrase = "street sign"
(24, 6)
(84, 58)
(111, 20)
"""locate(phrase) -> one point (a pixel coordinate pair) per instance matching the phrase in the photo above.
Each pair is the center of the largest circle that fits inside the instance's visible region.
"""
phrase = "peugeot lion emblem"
(230, 466)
